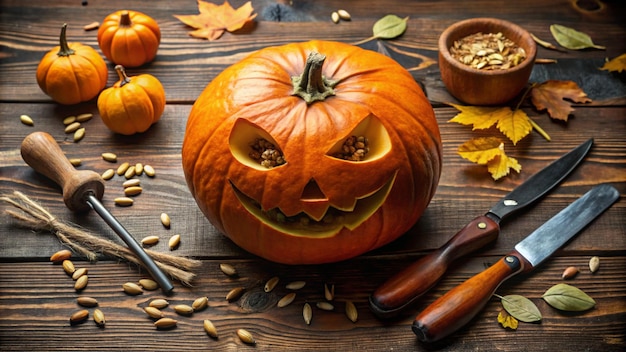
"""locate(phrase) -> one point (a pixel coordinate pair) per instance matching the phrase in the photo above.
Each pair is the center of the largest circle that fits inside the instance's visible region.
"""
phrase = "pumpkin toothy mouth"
(332, 222)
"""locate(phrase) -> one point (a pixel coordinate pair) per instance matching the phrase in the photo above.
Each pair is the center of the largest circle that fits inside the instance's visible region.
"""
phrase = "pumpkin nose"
(314, 201)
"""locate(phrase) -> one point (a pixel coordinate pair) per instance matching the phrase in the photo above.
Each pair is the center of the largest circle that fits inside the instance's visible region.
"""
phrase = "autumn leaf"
(514, 124)
(489, 151)
(214, 20)
(617, 64)
(551, 95)
(507, 321)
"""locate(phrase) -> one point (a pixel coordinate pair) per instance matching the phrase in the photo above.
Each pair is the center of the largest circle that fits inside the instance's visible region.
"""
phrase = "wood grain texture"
(37, 297)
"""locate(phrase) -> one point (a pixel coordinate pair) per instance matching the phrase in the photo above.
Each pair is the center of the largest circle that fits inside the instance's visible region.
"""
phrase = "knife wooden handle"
(406, 286)
(459, 305)
(42, 153)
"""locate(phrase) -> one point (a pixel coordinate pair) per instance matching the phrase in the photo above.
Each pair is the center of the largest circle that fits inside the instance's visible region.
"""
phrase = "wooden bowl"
(485, 87)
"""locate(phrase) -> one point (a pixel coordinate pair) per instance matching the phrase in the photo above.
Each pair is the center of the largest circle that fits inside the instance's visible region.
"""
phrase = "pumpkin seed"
(165, 220)
(132, 288)
(183, 309)
(122, 168)
(594, 264)
(60, 256)
(79, 134)
(149, 170)
(86, 301)
(295, 285)
(246, 336)
(107, 175)
(84, 117)
(159, 303)
(133, 190)
(286, 300)
(174, 242)
(133, 182)
(68, 266)
(110, 157)
(344, 15)
(98, 317)
(69, 120)
(307, 313)
(81, 283)
(78, 273)
(138, 169)
(569, 272)
(148, 284)
(75, 161)
(27, 120)
(92, 26)
(123, 201)
(351, 311)
(234, 294)
(329, 292)
(150, 240)
(130, 173)
(79, 316)
(153, 312)
(228, 269)
(209, 328)
(72, 127)
(165, 323)
(200, 303)
(325, 306)
(271, 283)
(334, 17)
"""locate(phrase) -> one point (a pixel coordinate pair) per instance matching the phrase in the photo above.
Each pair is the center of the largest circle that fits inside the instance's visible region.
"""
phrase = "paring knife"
(403, 289)
(457, 307)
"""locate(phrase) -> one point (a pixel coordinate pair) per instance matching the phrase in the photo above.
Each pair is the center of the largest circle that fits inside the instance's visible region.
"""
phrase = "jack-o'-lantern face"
(299, 168)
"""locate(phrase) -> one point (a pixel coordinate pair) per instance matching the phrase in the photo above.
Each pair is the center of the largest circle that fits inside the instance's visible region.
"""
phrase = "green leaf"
(568, 298)
(521, 308)
(389, 27)
(572, 39)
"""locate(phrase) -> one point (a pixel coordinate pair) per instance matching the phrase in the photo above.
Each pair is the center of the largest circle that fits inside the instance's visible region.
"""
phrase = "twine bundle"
(36, 217)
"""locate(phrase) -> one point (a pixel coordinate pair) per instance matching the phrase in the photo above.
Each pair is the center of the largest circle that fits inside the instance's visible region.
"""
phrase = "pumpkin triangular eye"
(369, 140)
(253, 146)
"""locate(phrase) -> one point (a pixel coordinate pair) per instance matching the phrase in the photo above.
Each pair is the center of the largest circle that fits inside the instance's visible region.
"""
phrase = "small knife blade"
(403, 289)
(459, 305)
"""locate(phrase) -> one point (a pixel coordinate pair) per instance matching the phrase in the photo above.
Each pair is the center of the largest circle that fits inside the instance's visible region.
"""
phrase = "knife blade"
(403, 289)
(459, 305)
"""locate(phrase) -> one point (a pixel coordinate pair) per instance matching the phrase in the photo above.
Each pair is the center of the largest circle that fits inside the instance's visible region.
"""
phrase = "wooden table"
(37, 297)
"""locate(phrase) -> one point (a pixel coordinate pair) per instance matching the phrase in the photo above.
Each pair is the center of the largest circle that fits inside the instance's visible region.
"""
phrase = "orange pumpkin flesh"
(129, 38)
(314, 208)
(71, 73)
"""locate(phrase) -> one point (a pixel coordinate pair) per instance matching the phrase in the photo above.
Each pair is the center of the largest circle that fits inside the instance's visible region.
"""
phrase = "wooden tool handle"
(459, 305)
(406, 286)
(42, 153)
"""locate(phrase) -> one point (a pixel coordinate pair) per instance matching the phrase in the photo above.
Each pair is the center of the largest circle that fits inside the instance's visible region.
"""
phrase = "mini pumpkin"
(132, 104)
(71, 73)
(301, 158)
(129, 38)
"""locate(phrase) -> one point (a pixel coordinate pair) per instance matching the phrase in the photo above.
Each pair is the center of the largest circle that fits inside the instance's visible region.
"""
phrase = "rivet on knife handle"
(406, 286)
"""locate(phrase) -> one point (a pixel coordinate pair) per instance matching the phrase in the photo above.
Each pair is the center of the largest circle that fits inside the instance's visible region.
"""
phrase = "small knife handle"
(409, 284)
(459, 305)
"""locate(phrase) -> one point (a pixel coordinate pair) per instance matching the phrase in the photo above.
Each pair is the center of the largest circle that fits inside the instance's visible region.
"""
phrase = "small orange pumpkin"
(313, 204)
(132, 104)
(71, 73)
(129, 38)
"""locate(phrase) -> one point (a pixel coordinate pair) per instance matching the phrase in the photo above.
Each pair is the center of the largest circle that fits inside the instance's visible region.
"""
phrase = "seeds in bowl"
(488, 51)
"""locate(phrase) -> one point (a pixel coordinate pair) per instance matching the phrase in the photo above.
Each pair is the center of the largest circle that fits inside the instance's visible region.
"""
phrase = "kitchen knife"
(403, 289)
(457, 307)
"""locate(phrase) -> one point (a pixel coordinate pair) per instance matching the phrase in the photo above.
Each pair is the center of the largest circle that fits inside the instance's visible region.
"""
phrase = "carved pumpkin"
(264, 152)
(71, 73)
(129, 38)
(132, 104)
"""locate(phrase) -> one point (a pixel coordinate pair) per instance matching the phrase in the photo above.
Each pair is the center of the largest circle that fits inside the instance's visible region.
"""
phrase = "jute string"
(88, 245)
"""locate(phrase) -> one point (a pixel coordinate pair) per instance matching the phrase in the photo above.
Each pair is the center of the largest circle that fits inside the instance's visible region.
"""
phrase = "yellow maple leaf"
(514, 124)
(616, 64)
(507, 321)
(213, 20)
(489, 151)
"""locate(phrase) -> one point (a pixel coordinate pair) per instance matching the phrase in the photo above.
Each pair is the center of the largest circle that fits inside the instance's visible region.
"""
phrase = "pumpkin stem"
(64, 48)
(312, 85)
(125, 19)
(121, 72)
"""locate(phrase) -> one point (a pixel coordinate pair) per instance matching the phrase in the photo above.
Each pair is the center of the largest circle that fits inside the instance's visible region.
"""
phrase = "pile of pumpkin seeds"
(488, 51)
